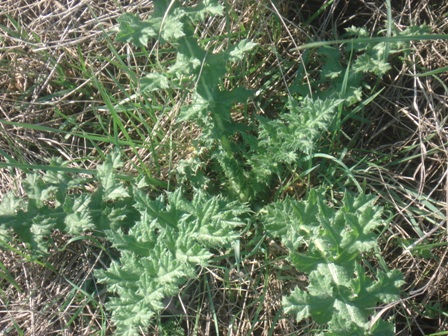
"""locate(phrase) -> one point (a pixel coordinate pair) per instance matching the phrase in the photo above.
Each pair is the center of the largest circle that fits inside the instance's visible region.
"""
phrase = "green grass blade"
(373, 40)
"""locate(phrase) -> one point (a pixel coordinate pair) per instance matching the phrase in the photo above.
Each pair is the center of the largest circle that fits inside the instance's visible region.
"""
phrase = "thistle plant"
(163, 240)
(329, 244)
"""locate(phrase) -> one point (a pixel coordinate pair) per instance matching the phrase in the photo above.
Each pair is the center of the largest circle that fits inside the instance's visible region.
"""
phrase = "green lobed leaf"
(348, 319)
(41, 228)
(35, 187)
(281, 141)
(160, 252)
(387, 287)
(153, 82)
(10, 204)
(297, 303)
(382, 328)
(205, 8)
(172, 27)
(113, 188)
(132, 29)
(328, 243)
(237, 52)
(78, 218)
(196, 110)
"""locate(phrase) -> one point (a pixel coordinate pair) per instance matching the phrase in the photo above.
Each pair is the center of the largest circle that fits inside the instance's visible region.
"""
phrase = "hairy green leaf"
(132, 29)
(328, 243)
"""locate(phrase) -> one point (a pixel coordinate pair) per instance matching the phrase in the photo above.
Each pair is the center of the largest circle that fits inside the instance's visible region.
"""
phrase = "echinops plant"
(163, 240)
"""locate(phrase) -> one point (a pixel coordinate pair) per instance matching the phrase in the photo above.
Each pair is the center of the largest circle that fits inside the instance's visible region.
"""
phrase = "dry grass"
(53, 297)
(43, 81)
(401, 154)
(405, 144)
